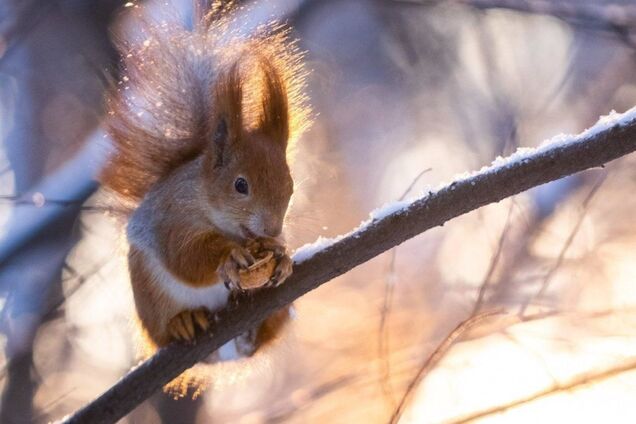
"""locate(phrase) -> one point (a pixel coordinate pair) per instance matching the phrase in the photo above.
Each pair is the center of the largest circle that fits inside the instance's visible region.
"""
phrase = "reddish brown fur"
(154, 309)
(195, 256)
(174, 80)
(207, 111)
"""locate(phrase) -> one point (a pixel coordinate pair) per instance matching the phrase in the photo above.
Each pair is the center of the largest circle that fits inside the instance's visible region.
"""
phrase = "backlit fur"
(194, 111)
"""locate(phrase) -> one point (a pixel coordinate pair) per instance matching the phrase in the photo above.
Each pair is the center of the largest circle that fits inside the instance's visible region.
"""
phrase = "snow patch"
(522, 154)
(391, 207)
(310, 249)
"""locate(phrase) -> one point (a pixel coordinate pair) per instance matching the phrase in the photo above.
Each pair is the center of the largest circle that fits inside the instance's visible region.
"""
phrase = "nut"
(259, 273)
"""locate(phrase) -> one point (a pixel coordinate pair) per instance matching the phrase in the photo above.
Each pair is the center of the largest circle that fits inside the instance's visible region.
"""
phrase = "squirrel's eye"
(241, 185)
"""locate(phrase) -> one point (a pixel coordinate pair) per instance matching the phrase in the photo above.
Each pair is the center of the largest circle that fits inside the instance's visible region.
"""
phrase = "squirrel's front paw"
(238, 259)
(183, 326)
(282, 270)
(284, 263)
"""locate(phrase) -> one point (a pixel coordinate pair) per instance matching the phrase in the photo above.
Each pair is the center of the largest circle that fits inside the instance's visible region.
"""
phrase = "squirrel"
(202, 123)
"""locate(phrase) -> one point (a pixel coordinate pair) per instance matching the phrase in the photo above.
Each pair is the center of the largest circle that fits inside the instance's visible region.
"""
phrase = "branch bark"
(588, 150)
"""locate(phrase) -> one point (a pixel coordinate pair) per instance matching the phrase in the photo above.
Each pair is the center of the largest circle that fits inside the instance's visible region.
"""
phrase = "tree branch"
(608, 14)
(568, 387)
(620, 19)
(440, 351)
(610, 139)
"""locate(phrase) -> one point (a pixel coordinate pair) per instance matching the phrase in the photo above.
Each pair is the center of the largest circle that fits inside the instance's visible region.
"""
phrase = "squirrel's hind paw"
(184, 325)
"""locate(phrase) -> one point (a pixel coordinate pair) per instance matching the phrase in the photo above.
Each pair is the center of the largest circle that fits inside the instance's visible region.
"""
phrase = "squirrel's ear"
(220, 141)
(274, 118)
(228, 111)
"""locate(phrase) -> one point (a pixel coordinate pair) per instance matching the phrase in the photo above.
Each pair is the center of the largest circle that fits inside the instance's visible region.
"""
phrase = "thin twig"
(493, 263)
(610, 15)
(383, 333)
(547, 279)
(617, 19)
(437, 354)
(575, 383)
(39, 201)
(358, 379)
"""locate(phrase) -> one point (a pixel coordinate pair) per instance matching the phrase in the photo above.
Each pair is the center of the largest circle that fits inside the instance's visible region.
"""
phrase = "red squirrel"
(201, 124)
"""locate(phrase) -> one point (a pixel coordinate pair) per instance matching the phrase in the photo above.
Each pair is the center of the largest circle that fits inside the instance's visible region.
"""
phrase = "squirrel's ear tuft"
(220, 141)
(228, 111)
(274, 114)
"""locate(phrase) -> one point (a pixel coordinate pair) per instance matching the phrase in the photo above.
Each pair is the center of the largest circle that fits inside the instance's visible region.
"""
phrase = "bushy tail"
(160, 112)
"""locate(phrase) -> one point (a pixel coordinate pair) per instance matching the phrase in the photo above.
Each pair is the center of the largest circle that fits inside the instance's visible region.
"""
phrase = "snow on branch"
(315, 264)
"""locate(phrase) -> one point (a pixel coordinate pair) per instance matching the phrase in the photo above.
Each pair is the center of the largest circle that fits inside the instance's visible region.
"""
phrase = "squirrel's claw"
(238, 258)
(270, 244)
(185, 325)
(282, 271)
(232, 286)
(202, 319)
(283, 267)
(242, 257)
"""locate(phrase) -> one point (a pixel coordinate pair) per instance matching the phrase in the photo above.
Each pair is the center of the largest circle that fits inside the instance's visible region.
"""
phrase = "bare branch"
(566, 246)
(609, 14)
(605, 142)
(383, 331)
(575, 383)
(493, 263)
(620, 19)
(439, 352)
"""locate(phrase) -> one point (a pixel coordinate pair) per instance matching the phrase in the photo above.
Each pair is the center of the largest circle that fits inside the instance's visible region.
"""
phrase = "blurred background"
(407, 94)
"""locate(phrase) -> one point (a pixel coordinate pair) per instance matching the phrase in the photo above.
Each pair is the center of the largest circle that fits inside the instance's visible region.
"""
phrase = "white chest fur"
(212, 297)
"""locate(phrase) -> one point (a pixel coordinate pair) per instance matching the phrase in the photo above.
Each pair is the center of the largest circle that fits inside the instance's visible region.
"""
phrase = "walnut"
(260, 272)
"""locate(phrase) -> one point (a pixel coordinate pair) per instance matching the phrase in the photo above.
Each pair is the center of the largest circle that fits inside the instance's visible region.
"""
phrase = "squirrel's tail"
(204, 12)
(160, 112)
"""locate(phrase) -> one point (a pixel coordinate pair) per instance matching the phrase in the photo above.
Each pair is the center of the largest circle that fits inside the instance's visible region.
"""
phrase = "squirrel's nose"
(272, 227)
(272, 231)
